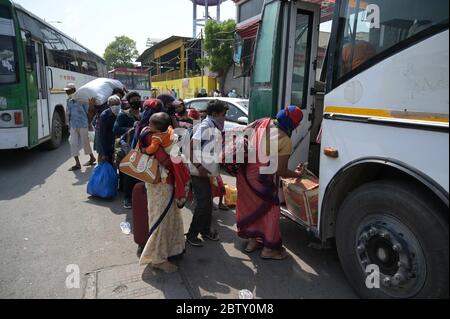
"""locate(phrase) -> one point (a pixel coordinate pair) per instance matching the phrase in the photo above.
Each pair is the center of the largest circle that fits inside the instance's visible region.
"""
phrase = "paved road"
(47, 222)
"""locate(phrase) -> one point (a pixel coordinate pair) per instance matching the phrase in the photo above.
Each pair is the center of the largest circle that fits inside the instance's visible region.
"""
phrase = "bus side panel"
(414, 85)
(57, 80)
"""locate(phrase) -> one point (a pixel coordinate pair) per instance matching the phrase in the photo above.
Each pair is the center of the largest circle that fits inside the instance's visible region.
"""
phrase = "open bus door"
(42, 103)
(285, 66)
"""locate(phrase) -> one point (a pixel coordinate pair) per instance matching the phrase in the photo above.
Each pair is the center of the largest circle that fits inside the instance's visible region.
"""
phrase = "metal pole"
(218, 11)
(195, 20)
(206, 11)
(202, 56)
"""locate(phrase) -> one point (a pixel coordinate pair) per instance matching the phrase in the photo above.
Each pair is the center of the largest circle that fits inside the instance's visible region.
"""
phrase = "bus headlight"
(6, 117)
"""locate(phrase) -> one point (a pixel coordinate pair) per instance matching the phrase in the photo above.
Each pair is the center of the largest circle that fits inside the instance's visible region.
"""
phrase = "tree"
(218, 46)
(121, 53)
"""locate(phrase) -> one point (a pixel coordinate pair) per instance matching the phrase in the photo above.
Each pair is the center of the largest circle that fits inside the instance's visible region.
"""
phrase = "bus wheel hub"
(384, 247)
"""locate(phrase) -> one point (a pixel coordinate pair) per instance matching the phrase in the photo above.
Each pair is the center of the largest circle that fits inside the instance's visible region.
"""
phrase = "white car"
(237, 114)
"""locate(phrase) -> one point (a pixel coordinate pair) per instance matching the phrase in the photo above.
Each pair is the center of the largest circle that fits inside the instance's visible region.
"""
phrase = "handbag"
(141, 167)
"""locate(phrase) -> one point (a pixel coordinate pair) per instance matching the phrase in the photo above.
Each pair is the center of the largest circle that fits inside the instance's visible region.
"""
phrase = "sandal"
(75, 168)
(211, 235)
(224, 207)
(90, 163)
(253, 246)
(278, 255)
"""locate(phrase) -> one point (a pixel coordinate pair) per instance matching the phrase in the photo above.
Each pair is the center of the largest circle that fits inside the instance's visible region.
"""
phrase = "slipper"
(224, 207)
(284, 255)
(90, 164)
(75, 168)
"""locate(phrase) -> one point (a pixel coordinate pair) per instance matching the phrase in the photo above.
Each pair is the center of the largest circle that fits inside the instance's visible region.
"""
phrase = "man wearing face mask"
(79, 126)
(204, 135)
(106, 126)
(127, 119)
(123, 127)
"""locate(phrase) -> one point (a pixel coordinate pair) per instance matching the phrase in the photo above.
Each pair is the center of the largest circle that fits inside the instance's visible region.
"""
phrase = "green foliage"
(218, 45)
(121, 53)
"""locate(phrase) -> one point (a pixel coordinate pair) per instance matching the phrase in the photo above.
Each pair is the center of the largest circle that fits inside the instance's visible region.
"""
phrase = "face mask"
(219, 122)
(116, 109)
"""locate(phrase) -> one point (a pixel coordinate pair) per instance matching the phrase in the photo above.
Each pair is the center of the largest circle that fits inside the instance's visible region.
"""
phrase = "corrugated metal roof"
(147, 54)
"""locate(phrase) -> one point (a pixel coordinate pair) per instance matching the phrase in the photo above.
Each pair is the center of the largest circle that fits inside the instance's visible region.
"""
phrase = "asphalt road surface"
(48, 222)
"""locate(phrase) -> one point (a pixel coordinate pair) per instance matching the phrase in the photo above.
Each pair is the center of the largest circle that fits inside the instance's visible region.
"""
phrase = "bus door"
(299, 76)
(42, 103)
(284, 70)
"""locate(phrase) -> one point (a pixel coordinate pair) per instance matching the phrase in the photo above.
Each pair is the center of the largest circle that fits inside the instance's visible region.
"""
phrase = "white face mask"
(116, 109)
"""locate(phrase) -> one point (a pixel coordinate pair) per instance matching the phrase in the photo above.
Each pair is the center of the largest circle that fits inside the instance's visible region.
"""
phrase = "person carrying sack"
(79, 129)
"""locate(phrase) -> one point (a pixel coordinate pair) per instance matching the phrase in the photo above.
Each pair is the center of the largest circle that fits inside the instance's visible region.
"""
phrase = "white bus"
(383, 159)
(37, 62)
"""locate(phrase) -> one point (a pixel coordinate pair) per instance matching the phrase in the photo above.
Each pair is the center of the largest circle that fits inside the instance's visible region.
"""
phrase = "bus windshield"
(141, 82)
(363, 39)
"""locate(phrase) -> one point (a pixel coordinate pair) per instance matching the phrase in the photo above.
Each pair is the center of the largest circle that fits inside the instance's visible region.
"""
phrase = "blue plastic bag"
(103, 182)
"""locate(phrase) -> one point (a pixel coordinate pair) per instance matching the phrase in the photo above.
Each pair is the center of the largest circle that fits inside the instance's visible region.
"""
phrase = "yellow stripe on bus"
(415, 116)
(57, 91)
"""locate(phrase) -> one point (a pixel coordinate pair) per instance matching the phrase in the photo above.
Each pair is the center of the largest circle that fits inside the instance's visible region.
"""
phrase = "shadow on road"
(220, 269)
(23, 170)
(83, 177)
(115, 205)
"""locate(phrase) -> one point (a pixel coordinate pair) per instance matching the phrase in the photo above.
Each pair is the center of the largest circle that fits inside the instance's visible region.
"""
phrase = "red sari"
(258, 207)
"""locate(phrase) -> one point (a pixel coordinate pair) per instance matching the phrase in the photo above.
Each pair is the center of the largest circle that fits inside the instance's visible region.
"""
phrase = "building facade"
(174, 68)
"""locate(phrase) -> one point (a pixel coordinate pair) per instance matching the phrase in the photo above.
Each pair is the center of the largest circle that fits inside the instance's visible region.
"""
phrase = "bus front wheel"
(57, 132)
(392, 241)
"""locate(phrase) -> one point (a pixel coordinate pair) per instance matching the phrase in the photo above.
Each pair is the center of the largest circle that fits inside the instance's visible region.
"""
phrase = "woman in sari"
(258, 207)
(165, 220)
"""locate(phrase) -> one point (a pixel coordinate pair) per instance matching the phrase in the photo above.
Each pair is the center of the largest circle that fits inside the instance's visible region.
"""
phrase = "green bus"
(37, 62)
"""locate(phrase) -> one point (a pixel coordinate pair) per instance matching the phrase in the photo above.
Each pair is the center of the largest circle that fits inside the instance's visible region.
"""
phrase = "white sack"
(100, 89)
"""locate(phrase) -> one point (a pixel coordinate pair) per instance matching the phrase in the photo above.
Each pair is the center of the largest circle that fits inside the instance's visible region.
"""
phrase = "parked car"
(237, 114)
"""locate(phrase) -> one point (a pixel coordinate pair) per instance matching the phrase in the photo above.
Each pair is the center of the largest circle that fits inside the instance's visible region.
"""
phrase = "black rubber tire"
(418, 212)
(56, 133)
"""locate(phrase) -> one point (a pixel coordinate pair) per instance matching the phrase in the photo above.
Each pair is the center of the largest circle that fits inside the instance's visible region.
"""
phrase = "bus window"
(126, 79)
(265, 49)
(7, 60)
(361, 40)
(302, 58)
(8, 72)
(141, 82)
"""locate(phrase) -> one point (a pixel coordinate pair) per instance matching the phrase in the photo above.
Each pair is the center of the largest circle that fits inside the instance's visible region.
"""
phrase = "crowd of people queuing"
(149, 126)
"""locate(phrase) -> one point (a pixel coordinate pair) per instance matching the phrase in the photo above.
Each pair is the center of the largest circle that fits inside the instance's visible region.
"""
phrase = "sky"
(96, 23)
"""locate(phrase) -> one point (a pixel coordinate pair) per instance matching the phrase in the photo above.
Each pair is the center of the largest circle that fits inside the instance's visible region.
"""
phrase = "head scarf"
(289, 119)
(166, 99)
(151, 107)
(194, 114)
(152, 104)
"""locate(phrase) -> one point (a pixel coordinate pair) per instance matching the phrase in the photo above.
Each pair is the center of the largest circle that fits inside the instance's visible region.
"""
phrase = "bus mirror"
(31, 54)
(237, 54)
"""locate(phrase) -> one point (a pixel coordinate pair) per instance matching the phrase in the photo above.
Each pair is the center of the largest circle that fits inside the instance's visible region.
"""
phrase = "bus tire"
(56, 132)
(395, 228)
